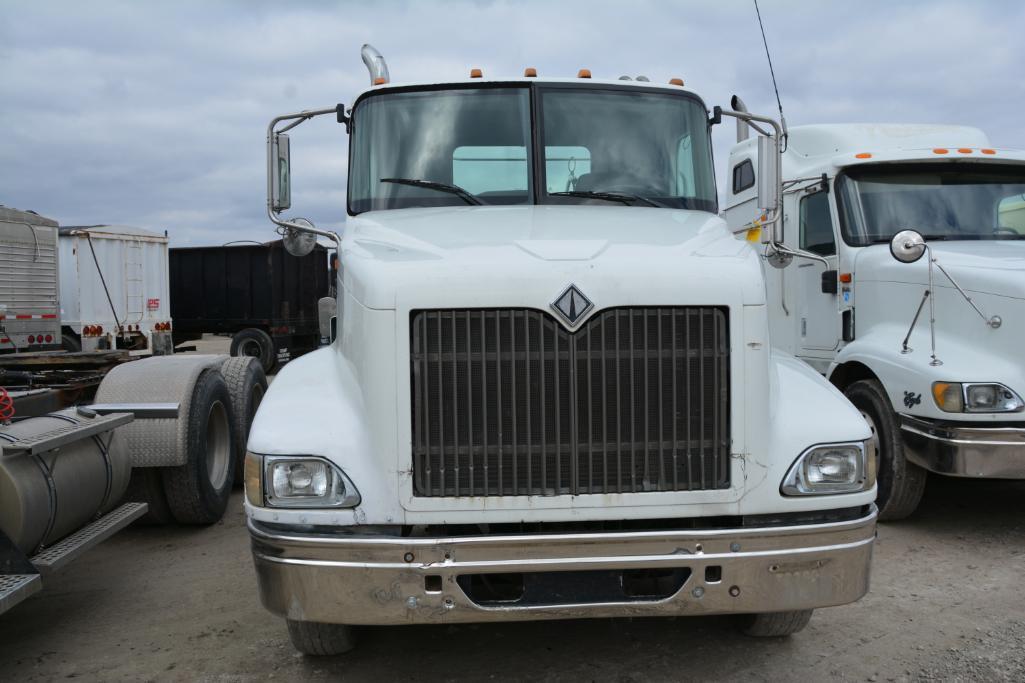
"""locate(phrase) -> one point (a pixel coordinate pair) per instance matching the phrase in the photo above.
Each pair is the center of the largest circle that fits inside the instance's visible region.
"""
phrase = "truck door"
(817, 313)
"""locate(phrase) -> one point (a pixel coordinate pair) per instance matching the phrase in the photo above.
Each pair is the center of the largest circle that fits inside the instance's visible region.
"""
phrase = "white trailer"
(114, 289)
(928, 350)
(28, 282)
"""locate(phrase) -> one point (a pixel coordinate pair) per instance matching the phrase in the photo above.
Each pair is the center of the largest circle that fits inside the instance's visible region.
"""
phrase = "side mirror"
(326, 317)
(768, 173)
(907, 246)
(281, 178)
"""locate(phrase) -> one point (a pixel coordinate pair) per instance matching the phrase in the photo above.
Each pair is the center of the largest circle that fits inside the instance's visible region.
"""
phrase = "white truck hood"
(523, 255)
(995, 267)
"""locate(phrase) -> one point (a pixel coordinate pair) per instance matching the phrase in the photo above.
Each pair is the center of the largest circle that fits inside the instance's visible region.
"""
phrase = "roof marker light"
(940, 150)
(584, 73)
(863, 155)
(676, 81)
(476, 73)
(530, 72)
(964, 150)
(380, 80)
(988, 151)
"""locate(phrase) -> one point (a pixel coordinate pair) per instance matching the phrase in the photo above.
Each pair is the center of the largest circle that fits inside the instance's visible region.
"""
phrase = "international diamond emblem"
(572, 305)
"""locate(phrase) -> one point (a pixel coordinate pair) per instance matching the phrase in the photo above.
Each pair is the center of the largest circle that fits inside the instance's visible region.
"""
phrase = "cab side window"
(816, 225)
(743, 176)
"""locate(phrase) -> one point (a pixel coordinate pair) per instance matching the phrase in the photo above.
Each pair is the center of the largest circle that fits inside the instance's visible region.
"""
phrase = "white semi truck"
(907, 292)
(551, 390)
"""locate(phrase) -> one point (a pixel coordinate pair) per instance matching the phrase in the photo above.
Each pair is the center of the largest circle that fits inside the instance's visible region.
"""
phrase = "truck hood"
(524, 255)
(995, 267)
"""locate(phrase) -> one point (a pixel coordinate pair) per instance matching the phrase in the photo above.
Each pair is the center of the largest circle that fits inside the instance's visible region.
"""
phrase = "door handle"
(829, 283)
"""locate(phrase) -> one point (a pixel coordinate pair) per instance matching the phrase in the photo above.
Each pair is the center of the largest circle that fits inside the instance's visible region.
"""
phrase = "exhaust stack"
(375, 65)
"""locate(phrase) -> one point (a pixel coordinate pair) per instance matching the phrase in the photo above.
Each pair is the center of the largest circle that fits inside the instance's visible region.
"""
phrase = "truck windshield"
(949, 202)
(470, 146)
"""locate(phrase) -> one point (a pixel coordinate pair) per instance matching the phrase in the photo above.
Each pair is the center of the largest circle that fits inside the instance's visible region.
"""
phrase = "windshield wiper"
(440, 187)
(609, 196)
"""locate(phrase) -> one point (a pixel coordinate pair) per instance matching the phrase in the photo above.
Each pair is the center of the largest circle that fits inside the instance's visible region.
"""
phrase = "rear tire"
(255, 343)
(901, 484)
(197, 492)
(146, 486)
(776, 624)
(70, 343)
(247, 384)
(320, 640)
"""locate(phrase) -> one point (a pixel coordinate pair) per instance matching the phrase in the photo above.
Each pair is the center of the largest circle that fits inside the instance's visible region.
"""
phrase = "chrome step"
(59, 554)
(62, 436)
(16, 587)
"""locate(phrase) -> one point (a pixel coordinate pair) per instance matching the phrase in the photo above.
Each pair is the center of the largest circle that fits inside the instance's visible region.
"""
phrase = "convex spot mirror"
(907, 246)
(299, 242)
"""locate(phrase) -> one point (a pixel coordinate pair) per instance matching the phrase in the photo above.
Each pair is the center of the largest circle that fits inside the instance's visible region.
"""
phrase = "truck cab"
(551, 390)
(907, 291)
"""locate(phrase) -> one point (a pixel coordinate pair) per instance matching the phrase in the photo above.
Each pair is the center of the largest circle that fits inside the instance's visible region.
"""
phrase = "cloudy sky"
(154, 113)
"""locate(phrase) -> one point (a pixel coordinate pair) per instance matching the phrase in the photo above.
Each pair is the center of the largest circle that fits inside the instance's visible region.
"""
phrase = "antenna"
(782, 119)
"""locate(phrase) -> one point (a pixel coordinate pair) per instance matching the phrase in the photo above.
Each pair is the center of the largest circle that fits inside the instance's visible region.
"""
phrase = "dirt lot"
(947, 602)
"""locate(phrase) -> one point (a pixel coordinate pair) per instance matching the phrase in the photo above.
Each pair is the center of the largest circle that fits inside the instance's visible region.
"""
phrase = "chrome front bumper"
(968, 451)
(349, 579)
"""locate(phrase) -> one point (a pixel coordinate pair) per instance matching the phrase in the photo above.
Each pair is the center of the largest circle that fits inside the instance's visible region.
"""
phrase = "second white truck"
(908, 292)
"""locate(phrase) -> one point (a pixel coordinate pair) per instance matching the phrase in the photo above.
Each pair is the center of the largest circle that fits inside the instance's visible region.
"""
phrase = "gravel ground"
(180, 604)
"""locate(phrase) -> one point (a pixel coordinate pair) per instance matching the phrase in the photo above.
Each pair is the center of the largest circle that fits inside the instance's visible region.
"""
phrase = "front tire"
(320, 640)
(776, 624)
(901, 483)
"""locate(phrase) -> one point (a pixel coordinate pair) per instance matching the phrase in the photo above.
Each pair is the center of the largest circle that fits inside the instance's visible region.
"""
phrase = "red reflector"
(98, 329)
(32, 339)
(49, 338)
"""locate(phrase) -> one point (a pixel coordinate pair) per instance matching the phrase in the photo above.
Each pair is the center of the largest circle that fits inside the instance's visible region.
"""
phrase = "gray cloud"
(154, 114)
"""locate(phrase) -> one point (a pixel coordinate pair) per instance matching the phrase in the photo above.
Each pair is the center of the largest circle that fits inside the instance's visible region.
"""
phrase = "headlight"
(833, 468)
(297, 482)
(954, 397)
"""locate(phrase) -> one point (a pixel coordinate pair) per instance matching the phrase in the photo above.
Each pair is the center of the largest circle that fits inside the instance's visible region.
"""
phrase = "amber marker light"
(530, 72)
(846, 278)
(964, 150)
(380, 80)
(676, 81)
(584, 73)
(863, 155)
(988, 151)
(476, 73)
(940, 150)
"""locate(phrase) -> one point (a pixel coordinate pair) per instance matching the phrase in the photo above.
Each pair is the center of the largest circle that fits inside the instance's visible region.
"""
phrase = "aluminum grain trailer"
(29, 316)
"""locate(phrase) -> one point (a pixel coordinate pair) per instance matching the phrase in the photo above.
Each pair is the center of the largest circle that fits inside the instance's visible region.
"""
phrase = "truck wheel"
(776, 624)
(901, 484)
(312, 638)
(247, 384)
(197, 492)
(255, 343)
(146, 486)
(70, 343)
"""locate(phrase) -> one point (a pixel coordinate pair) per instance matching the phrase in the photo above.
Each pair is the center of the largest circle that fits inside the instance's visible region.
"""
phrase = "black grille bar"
(508, 402)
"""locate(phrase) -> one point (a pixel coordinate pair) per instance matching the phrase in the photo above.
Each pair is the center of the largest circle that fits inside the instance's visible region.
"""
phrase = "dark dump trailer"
(261, 295)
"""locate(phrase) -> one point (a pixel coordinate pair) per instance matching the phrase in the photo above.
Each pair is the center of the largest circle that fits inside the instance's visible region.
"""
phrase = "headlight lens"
(832, 468)
(991, 397)
(298, 482)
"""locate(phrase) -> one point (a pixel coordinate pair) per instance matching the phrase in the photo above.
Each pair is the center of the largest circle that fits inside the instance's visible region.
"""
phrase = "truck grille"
(507, 402)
